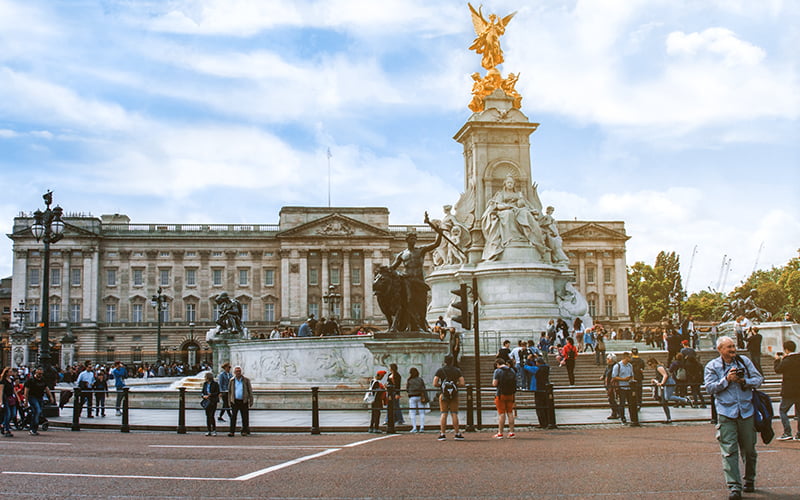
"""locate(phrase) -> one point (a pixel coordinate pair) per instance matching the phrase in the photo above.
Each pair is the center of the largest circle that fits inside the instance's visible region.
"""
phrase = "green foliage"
(649, 288)
(777, 290)
(704, 306)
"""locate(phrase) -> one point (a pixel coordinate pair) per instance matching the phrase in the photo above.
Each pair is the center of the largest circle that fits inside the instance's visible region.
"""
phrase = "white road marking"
(244, 447)
(29, 443)
(240, 478)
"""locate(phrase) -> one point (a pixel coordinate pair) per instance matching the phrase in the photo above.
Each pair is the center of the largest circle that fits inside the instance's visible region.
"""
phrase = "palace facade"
(318, 261)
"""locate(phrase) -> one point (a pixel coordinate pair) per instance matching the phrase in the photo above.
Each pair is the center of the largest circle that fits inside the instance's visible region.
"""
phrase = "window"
(592, 307)
(136, 354)
(55, 312)
(191, 254)
(243, 277)
(55, 277)
(245, 312)
(606, 275)
(137, 313)
(313, 276)
(355, 310)
(191, 277)
(138, 254)
(269, 277)
(138, 277)
(163, 254)
(216, 277)
(111, 277)
(244, 254)
(267, 254)
(337, 309)
(163, 277)
(74, 312)
(590, 275)
(191, 313)
(110, 355)
(335, 280)
(216, 254)
(164, 312)
(609, 306)
(269, 312)
(33, 277)
(216, 312)
(33, 317)
(355, 276)
(111, 313)
(75, 277)
(313, 308)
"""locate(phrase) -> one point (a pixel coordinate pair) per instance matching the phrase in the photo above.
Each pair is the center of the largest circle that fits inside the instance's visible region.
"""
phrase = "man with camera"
(731, 379)
(788, 365)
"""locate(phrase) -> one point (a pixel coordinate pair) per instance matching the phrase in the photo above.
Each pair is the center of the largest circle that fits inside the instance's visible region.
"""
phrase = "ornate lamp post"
(48, 228)
(333, 299)
(158, 302)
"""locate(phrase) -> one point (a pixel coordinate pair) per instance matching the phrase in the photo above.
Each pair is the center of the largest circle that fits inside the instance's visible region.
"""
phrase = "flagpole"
(329, 177)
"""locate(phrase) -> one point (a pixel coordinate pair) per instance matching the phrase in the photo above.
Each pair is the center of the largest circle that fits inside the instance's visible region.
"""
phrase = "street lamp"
(48, 228)
(21, 313)
(333, 299)
(158, 302)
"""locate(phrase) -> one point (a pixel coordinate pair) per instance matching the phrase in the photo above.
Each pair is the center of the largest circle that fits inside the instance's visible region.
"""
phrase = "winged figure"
(487, 42)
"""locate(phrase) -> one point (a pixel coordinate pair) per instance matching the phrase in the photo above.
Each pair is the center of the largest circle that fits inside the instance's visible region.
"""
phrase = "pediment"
(594, 231)
(334, 226)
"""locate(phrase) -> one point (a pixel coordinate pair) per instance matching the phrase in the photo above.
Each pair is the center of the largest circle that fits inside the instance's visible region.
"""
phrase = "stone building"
(105, 271)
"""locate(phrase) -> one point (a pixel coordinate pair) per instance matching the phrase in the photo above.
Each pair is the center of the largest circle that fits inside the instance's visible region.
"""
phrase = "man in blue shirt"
(305, 330)
(731, 380)
(85, 383)
(120, 373)
(622, 373)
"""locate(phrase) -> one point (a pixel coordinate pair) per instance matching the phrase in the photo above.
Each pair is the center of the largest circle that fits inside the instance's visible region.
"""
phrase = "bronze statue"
(230, 314)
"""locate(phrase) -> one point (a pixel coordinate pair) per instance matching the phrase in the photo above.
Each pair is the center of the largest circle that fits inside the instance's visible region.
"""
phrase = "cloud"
(718, 42)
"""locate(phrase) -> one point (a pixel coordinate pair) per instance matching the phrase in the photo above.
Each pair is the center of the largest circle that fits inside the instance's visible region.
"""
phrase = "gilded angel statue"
(487, 42)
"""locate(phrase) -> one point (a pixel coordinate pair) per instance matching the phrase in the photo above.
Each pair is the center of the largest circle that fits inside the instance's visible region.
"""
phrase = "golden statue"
(487, 43)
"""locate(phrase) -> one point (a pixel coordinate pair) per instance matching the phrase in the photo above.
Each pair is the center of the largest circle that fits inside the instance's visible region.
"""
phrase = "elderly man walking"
(240, 395)
(731, 379)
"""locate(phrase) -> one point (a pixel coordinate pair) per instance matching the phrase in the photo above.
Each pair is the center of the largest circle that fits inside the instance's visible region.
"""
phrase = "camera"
(740, 372)
(779, 354)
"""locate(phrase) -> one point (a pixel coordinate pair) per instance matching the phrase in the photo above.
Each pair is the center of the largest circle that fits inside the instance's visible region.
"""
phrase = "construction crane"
(723, 272)
(725, 276)
(689, 273)
(758, 255)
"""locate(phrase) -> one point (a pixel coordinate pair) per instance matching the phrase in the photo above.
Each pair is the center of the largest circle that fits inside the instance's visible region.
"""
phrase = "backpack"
(571, 353)
(507, 383)
(369, 397)
(680, 374)
(449, 390)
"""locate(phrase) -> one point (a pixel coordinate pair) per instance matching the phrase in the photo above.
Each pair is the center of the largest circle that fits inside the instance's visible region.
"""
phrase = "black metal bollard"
(551, 408)
(181, 410)
(315, 410)
(470, 408)
(76, 410)
(634, 404)
(125, 420)
(390, 414)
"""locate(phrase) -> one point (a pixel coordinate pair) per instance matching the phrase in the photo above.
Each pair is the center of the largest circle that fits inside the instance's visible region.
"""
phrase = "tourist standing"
(638, 375)
(240, 394)
(224, 384)
(543, 410)
(100, 388)
(787, 363)
(504, 380)
(610, 386)
(622, 374)
(731, 379)
(417, 399)
(754, 348)
(35, 389)
(210, 393)
(505, 351)
(600, 348)
(570, 356)
(448, 378)
(378, 401)
(120, 373)
(85, 383)
(394, 386)
(9, 400)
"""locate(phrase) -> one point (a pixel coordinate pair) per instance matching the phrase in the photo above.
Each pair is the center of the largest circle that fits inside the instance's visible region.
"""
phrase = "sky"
(679, 117)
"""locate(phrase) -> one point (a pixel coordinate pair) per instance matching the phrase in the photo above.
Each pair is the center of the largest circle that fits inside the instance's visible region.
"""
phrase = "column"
(284, 312)
(601, 287)
(91, 273)
(367, 280)
(345, 284)
(19, 282)
(621, 283)
(323, 278)
(66, 283)
(582, 273)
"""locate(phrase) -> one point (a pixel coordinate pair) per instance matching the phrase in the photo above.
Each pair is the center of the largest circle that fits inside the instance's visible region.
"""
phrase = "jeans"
(786, 404)
(669, 390)
(416, 409)
(8, 411)
(100, 403)
(625, 395)
(36, 412)
(225, 404)
(735, 435)
(375, 418)
(86, 401)
(120, 395)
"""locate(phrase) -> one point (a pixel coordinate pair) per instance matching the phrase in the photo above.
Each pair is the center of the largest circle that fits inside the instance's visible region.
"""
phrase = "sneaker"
(797, 437)
(498, 436)
(511, 435)
(208, 433)
(458, 437)
(785, 437)
(34, 433)
(612, 417)
(214, 433)
(413, 431)
(230, 434)
(441, 437)
(119, 413)
(735, 495)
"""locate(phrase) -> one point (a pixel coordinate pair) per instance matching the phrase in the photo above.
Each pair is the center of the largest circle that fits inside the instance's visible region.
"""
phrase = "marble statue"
(508, 218)
(456, 240)
(552, 237)
(487, 41)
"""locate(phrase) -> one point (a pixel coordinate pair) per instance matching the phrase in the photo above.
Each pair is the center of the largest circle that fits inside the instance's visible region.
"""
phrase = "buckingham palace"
(105, 271)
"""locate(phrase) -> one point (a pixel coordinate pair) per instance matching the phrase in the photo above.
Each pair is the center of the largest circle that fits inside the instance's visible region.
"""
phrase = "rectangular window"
(243, 277)
(590, 275)
(138, 277)
(592, 307)
(269, 312)
(33, 277)
(55, 312)
(606, 275)
(110, 355)
(75, 277)
(245, 312)
(313, 308)
(335, 279)
(609, 306)
(137, 313)
(269, 277)
(136, 354)
(216, 277)
(191, 254)
(33, 317)
(355, 310)
(216, 254)
(164, 312)
(355, 276)
(111, 277)
(163, 254)
(313, 276)
(163, 277)
(191, 277)
(216, 312)
(191, 313)
(55, 277)
(75, 312)
(111, 313)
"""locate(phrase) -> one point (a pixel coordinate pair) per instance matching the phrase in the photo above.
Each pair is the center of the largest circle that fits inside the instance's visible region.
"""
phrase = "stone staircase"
(588, 391)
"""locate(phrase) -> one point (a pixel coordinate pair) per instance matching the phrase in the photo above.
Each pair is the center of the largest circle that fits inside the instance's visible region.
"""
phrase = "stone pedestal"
(20, 354)
(67, 351)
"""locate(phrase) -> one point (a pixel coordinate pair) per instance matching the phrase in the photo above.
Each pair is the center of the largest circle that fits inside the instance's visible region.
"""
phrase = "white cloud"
(719, 42)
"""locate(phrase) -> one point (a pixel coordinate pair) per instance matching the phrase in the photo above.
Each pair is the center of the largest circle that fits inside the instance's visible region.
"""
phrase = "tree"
(705, 305)
(777, 290)
(650, 288)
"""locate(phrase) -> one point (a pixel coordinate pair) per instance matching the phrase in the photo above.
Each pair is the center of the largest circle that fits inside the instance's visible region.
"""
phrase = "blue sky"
(681, 118)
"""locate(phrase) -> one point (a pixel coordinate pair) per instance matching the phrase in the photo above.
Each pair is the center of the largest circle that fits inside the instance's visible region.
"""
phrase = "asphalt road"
(655, 461)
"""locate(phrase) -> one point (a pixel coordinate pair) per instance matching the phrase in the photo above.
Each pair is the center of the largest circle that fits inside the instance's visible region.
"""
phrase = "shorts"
(504, 403)
(450, 405)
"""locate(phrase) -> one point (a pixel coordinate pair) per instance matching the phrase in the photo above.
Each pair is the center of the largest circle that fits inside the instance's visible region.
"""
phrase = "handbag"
(369, 396)
(11, 400)
(423, 398)
(205, 403)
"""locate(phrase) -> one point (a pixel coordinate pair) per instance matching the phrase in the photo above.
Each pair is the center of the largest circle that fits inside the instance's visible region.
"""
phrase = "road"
(654, 461)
